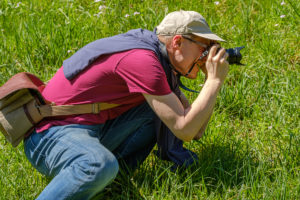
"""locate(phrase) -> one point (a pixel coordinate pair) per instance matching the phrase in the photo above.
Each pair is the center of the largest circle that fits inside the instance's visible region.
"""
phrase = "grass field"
(251, 146)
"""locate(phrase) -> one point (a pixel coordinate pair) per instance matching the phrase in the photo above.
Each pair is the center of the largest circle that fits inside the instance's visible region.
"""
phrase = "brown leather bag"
(22, 107)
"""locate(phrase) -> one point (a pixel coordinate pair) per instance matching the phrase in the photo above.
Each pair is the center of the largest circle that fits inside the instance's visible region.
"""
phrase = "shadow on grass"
(221, 166)
(122, 188)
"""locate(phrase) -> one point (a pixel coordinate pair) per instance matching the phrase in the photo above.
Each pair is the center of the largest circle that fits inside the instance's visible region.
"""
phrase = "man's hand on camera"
(216, 64)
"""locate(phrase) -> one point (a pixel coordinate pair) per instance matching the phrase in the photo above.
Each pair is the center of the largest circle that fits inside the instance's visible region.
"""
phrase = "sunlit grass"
(251, 146)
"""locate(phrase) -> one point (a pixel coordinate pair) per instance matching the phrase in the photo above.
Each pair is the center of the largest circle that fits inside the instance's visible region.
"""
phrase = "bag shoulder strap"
(36, 113)
(60, 110)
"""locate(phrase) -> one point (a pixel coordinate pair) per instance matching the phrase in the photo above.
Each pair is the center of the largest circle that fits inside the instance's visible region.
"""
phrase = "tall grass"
(251, 146)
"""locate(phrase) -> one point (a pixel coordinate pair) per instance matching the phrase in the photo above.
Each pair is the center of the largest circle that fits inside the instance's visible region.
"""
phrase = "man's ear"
(176, 42)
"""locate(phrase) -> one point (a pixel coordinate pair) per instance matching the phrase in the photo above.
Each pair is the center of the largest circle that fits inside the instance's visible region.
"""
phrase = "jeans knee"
(96, 172)
(105, 169)
(110, 168)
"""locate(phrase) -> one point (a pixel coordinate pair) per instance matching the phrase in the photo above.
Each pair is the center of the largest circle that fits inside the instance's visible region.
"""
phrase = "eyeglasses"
(199, 43)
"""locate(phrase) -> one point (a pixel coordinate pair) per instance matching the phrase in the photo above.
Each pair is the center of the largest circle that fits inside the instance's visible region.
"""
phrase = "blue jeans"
(83, 159)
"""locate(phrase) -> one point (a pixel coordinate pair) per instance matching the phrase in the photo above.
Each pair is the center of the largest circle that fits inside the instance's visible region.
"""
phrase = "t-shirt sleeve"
(143, 73)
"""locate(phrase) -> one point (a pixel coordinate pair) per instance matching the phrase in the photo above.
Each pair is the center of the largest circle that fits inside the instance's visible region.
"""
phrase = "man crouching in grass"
(137, 73)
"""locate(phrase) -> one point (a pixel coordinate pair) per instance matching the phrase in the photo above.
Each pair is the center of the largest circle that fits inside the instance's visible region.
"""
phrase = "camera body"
(234, 55)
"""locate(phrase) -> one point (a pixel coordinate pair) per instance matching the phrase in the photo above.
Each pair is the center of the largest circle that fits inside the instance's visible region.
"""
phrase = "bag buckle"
(96, 108)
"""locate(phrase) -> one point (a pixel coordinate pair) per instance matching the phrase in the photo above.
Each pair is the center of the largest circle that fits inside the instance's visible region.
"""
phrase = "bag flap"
(21, 81)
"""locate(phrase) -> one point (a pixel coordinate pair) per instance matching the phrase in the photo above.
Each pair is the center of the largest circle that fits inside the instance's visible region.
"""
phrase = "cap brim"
(209, 36)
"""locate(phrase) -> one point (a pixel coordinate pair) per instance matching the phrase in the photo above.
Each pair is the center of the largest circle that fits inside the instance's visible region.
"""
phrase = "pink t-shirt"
(119, 78)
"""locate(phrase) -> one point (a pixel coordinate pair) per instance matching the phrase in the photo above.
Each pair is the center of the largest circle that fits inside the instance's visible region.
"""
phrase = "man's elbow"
(186, 132)
(189, 136)
(187, 139)
(199, 135)
(186, 135)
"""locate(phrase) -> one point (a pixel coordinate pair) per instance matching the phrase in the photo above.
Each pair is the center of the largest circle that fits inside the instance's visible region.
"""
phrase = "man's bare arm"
(186, 105)
(185, 123)
(185, 102)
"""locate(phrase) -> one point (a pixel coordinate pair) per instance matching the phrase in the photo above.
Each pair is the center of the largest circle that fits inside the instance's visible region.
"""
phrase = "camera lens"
(234, 55)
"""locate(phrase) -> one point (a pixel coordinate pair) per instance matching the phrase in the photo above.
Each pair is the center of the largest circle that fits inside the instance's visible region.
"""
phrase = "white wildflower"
(98, 14)
(282, 16)
(276, 24)
(217, 2)
(136, 13)
(282, 3)
(102, 7)
(127, 15)
(69, 51)
(18, 5)
(233, 26)
(270, 127)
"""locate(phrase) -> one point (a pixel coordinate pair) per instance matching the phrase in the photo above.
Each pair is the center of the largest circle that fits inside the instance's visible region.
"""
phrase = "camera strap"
(204, 54)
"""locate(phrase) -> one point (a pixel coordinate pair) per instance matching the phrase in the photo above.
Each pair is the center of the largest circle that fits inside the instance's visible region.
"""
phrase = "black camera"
(234, 55)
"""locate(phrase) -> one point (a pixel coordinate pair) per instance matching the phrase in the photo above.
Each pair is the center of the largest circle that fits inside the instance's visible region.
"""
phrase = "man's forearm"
(202, 129)
(198, 116)
(186, 104)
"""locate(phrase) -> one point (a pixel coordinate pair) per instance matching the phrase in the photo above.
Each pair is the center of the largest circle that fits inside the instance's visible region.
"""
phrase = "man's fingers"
(225, 56)
(220, 54)
(212, 53)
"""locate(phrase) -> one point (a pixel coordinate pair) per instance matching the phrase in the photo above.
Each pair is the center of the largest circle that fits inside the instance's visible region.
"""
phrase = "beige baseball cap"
(186, 22)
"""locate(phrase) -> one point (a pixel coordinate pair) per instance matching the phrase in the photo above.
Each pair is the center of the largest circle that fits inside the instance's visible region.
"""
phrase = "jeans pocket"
(33, 150)
(34, 142)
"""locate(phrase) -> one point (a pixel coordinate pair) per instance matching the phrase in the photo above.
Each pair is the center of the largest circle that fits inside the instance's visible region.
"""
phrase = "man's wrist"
(217, 83)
